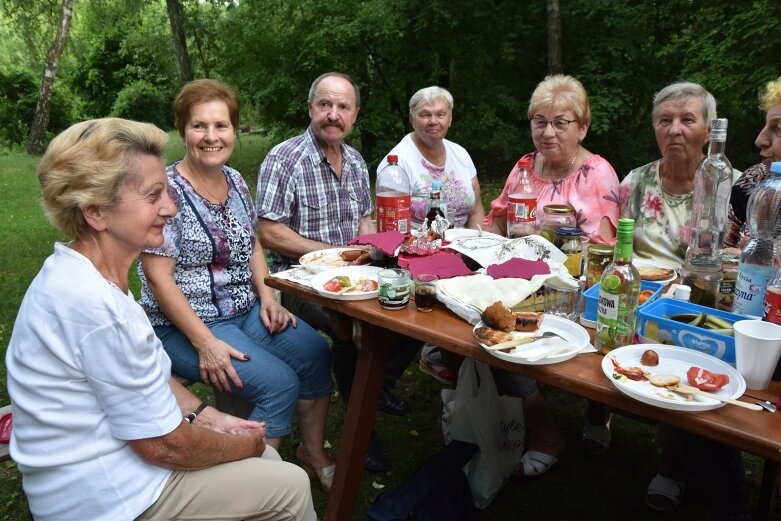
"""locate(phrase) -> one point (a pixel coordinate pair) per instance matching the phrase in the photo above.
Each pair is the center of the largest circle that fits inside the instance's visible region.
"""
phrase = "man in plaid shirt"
(313, 193)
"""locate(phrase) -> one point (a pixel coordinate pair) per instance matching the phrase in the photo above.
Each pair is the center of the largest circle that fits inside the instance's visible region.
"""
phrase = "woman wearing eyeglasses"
(564, 171)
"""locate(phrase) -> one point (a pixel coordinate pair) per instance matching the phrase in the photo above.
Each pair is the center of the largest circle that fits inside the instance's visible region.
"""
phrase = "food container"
(654, 322)
(555, 216)
(591, 295)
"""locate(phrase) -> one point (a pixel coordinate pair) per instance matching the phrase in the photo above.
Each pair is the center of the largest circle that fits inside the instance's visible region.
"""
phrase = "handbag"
(475, 412)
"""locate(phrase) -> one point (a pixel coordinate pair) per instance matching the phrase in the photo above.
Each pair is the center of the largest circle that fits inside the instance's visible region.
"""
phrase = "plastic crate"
(591, 295)
(654, 324)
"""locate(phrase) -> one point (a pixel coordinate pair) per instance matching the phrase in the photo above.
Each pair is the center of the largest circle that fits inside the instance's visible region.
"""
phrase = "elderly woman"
(101, 430)
(769, 143)
(564, 171)
(203, 288)
(659, 197)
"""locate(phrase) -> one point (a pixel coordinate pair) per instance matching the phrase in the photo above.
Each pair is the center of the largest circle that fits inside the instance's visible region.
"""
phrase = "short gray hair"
(429, 95)
(682, 91)
(320, 78)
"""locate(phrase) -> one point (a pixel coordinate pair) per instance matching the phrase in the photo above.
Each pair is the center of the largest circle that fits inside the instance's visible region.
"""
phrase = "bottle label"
(521, 210)
(772, 309)
(616, 312)
(750, 289)
(607, 308)
(393, 213)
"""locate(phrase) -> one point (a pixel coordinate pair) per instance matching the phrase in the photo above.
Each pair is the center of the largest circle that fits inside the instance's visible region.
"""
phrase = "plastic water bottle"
(757, 265)
(393, 198)
(437, 202)
(522, 204)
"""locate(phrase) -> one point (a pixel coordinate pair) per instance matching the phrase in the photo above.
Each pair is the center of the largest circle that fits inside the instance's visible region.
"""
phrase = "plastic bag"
(475, 412)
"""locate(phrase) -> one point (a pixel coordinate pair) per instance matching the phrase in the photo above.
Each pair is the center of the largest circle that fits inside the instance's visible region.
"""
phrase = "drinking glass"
(394, 288)
(425, 291)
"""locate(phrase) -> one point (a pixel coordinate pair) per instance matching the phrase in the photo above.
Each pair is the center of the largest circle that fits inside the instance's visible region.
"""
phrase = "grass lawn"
(584, 487)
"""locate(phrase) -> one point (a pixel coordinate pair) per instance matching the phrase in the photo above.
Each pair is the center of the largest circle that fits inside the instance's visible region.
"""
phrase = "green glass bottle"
(619, 294)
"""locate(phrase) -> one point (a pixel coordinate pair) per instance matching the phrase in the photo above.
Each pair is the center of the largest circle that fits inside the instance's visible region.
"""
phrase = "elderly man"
(313, 193)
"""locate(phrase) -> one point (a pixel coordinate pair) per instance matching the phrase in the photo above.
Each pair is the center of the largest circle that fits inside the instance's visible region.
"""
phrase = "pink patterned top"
(592, 190)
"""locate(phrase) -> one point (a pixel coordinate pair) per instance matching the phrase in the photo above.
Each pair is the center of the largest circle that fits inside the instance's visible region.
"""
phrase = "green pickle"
(619, 295)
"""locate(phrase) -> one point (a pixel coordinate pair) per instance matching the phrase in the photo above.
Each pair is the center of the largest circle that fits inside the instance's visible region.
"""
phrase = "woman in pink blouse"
(564, 171)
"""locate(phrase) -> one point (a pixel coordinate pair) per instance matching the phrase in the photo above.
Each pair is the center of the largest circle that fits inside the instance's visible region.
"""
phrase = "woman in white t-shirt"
(101, 430)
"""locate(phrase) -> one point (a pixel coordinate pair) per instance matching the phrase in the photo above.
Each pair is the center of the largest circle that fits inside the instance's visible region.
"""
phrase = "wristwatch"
(193, 415)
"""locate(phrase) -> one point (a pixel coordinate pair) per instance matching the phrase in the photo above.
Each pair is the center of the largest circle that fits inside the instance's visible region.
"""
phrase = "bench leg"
(771, 473)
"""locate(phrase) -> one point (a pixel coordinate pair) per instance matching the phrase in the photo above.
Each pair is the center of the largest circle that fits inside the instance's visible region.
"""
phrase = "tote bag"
(475, 412)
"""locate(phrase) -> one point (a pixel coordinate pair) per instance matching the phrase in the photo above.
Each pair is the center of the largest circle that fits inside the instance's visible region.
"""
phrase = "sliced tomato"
(333, 286)
(705, 380)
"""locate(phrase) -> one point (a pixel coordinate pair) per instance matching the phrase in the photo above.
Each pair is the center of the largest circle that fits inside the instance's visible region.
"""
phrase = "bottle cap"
(775, 167)
(626, 225)
(683, 292)
(526, 162)
(436, 184)
(392, 158)
(719, 124)
(568, 231)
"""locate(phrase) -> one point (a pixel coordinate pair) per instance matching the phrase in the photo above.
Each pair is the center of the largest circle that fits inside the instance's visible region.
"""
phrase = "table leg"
(771, 474)
(373, 345)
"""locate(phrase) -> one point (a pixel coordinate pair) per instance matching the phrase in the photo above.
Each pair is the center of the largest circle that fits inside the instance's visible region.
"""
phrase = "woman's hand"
(275, 317)
(214, 363)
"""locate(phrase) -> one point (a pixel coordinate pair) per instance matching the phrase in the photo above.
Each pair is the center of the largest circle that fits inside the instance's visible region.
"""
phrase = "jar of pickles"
(726, 294)
(568, 241)
(556, 216)
(599, 256)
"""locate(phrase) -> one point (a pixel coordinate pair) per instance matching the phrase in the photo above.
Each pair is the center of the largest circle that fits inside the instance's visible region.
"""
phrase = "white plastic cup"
(757, 351)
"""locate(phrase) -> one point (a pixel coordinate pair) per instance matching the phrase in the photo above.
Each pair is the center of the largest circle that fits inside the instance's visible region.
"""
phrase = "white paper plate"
(355, 273)
(322, 260)
(672, 360)
(648, 264)
(573, 335)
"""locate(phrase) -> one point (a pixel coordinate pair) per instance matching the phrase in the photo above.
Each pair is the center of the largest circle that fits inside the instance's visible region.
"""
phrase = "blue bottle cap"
(436, 184)
(775, 167)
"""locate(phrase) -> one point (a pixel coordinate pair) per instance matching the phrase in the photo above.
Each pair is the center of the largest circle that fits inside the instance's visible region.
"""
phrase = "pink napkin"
(386, 242)
(444, 264)
(517, 268)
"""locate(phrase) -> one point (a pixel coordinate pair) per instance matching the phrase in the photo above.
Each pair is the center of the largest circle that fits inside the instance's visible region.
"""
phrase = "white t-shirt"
(86, 373)
(456, 176)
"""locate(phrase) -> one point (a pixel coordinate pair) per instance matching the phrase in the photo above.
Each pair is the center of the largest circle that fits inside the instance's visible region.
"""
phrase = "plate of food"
(529, 338)
(646, 371)
(322, 260)
(654, 272)
(347, 283)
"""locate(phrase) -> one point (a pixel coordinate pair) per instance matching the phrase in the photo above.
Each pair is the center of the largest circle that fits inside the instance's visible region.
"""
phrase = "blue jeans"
(283, 368)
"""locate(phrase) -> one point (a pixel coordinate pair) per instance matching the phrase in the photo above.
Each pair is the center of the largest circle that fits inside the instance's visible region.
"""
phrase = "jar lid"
(568, 231)
(600, 249)
(730, 258)
(558, 209)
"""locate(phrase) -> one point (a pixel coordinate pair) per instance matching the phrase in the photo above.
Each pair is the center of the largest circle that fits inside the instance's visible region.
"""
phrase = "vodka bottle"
(522, 203)
(619, 294)
(757, 265)
(393, 198)
(702, 267)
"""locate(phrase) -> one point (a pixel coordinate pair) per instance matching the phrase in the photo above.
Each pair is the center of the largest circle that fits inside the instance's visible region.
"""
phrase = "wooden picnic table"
(758, 433)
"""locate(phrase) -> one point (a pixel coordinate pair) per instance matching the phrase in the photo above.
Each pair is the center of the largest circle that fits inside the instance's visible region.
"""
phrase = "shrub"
(143, 101)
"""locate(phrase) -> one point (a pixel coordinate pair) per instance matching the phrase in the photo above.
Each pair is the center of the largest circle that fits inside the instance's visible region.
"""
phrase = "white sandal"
(664, 494)
(534, 463)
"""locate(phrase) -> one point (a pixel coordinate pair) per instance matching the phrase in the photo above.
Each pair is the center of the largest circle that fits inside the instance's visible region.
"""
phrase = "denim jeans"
(283, 368)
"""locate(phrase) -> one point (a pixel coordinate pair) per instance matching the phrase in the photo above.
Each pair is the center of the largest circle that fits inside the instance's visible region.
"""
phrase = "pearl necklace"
(567, 171)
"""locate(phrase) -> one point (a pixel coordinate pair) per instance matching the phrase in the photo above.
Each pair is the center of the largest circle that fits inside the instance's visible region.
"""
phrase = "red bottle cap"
(393, 159)
(526, 162)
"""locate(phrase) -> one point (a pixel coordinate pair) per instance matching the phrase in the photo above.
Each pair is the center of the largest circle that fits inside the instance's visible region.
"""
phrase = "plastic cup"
(562, 300)
(757, 351)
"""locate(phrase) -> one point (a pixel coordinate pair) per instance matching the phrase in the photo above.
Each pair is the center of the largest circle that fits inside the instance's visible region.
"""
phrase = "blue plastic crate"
(681, 334)
(591, 296)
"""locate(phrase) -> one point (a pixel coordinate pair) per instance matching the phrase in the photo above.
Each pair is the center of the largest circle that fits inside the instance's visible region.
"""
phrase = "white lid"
(683, 292)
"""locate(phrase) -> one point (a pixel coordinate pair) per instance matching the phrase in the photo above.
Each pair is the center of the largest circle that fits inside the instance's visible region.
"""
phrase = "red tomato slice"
(704, 380)
(333, 286)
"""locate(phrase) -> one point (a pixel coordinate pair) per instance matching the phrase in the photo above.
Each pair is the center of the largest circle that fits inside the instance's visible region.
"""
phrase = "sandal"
(324, 475)
(664, 494)
(596, 438)
(534, 463)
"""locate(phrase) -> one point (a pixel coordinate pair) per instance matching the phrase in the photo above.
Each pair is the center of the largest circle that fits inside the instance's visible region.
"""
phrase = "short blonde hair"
(771, 95)
(429, 95)
(89, 164)
(562, 92)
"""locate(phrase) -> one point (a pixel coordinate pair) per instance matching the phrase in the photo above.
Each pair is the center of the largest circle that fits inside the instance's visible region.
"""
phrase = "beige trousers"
(256, 489)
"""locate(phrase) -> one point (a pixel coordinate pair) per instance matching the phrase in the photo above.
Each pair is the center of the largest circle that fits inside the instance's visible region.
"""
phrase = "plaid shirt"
(298, 187)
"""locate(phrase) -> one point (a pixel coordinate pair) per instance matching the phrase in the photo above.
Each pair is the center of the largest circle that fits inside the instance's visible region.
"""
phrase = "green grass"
(584, 487)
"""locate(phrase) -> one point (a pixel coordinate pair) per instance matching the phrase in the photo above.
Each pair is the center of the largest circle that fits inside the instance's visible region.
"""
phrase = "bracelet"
(193, 415)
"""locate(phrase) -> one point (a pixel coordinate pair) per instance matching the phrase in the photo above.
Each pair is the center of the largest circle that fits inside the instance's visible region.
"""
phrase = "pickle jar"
(556, 216)
(568, 241)
(726, 294)
(599, 256)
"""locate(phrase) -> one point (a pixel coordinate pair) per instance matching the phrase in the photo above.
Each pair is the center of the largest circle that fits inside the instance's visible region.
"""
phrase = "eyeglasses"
(559, 125)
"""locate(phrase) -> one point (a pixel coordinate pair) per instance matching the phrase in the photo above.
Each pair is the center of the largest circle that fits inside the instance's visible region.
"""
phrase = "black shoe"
(392, 404)
(376, 459)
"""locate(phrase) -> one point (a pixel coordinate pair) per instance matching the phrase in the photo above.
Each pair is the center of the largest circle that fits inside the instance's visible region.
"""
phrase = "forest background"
(129, 57)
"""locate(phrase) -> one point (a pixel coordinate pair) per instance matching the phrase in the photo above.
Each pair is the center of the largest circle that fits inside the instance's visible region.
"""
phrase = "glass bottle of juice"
(619, 294)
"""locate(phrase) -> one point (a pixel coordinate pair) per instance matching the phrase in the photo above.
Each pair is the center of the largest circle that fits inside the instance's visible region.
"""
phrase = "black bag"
(438, 491)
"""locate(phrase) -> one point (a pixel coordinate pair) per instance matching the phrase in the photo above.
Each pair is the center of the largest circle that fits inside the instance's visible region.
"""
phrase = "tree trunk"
(41, 118)
(554, 37)
(180, 42)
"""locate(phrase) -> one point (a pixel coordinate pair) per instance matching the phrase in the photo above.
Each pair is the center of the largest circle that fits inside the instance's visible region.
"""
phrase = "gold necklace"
(672, 200)
(566, 172)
